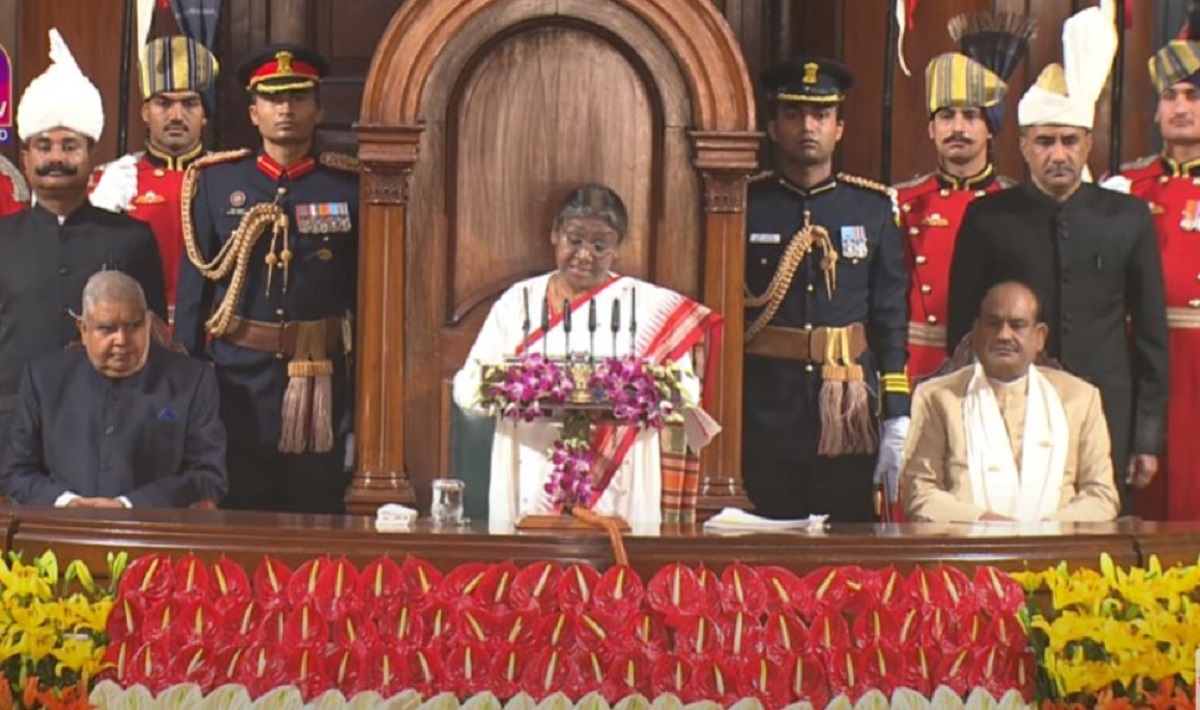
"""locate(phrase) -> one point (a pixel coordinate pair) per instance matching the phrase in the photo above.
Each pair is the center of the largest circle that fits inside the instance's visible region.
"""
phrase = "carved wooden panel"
(545, 110)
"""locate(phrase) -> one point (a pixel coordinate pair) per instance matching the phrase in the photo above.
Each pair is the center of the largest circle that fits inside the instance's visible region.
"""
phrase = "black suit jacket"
(155, 438)
(1094, 263)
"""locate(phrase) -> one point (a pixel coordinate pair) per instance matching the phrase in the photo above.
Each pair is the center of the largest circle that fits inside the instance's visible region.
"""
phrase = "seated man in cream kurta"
(628, 478)
(1005, 439)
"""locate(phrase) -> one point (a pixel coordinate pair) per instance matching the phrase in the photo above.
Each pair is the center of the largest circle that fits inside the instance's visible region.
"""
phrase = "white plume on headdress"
(1089, 45)
(60, 97)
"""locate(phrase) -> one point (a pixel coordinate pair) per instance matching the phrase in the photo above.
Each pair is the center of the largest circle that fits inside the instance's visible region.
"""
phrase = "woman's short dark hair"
(594, 202)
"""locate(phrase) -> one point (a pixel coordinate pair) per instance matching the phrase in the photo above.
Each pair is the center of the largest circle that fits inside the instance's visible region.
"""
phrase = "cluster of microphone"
(614, 323)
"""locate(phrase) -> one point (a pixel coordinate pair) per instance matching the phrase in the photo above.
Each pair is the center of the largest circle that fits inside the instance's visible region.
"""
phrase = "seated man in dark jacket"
(119, 422)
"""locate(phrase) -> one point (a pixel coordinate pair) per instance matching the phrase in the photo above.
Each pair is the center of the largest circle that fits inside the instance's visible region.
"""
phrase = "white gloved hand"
(891, 452)
(1116, 183)
(117, 186)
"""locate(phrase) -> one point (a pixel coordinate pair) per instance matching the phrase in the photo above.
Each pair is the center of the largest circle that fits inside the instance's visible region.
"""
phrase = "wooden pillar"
(387, 156)
(724, 161)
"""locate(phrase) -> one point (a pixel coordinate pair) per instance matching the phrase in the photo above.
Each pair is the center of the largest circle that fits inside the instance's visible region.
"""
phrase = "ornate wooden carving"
(445, 80)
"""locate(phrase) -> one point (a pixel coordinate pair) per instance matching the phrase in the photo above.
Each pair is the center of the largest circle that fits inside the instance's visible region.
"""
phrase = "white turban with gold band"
(1066, 95)
(60, 97)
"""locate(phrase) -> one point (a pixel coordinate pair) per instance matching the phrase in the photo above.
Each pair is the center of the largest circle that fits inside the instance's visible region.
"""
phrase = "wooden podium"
(478, 117)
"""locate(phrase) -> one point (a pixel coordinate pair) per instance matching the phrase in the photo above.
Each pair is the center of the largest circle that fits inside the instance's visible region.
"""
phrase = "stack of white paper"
(732, 519)
(394, 518)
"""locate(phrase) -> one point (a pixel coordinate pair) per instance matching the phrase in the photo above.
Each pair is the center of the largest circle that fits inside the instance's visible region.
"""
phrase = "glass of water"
(447, 505)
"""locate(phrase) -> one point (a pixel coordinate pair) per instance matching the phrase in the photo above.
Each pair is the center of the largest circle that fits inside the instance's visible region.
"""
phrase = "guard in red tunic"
(965, 96)
(14, 193)
(1170, 183)
(176, 72)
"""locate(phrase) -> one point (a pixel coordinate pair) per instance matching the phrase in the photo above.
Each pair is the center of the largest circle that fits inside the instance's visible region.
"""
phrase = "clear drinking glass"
(447, 505)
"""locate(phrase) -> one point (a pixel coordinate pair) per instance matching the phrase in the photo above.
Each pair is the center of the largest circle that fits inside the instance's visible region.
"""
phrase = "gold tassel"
(322, 411)
(829, 403)
(861, 437)
(308, 401)
(297, 403)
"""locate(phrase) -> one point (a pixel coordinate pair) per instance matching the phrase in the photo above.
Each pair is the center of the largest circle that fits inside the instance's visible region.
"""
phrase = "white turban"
(61, 97)
(1066, 95)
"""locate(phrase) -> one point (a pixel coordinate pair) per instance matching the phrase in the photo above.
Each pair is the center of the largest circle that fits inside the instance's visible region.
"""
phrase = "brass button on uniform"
(763, 262)
(808, 327)
(811, 288)
(279, 312)
(1194, 303)
(921, 259)
(944, 192)
(324, 255)
(906, 207)
(926, 289)
(980, 193)
(1164, 179)
(932, 319)
(914, 231)
(158, 172)
(808, 367)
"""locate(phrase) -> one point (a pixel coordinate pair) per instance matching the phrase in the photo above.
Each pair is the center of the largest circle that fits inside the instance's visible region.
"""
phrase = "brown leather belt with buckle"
(279, 337)
(805, 345)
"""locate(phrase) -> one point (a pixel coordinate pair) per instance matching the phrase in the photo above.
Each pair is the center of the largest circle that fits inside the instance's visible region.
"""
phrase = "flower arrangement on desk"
(52, 630)
(489, 634)
(523, 389)
(1126, 637)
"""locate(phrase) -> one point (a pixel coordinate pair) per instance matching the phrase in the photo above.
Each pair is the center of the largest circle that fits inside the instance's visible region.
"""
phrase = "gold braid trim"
(803, 242)
(340, 161)
(234, 255)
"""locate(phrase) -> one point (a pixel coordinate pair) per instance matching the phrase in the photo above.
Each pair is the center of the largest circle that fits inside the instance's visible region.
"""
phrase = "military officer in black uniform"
(267, 290)
(826, 312)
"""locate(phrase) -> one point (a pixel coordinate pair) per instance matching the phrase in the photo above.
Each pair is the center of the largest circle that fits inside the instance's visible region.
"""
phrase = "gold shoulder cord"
(234, 254)
(803, 242)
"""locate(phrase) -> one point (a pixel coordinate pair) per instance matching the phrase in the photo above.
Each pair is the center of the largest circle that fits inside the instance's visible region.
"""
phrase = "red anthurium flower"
(229, 584)
(419, 581)
(671, 674)
(339, 596)
(243, 622)
(710, 591)
(534, 587)
(310, 581)
(829, 632)
(229, 660)
(806, 679)
(973, 631)
(938, 629)
(343, 668)
(550, 671)
(742, 590)
(191, 578)
(508, 667)
(149, 667)
(862, 587)
(994, 670)
(125, 620)
(743, 635)
(460, 585)
(306, 628)
(405, 627)
(765, 679)
(388, 672)
(467, 669)
(577, 587)
(713, 679)
(596, 631)
(628, 673)
(829, 589)
(590, 675)
(875, 626)
(158, 620)
(558, 631)
(357, 632)
(920, 669)
(881, 668)
(674, 592)
(271, 582)
(847, 673)
(261, 670)
(496, 588)
(785, 591)
(148, 579)
(1024, 672)
(273, 629)
(909, 623)
(923, 587)
(305, 669)
(893, 592)
(996, 592)
(784, 634)
(517, 628)
(1006, 630)
(644, 631)
(954, 671)
(699, 637)
(620, 591)
(118, 657)
(195, 663)
(474, 626)
(379, 588)
(438, 618)
(197, 621)
(960, 595)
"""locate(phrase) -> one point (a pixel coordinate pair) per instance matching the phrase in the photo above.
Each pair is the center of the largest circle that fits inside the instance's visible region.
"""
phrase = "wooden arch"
(414, 74)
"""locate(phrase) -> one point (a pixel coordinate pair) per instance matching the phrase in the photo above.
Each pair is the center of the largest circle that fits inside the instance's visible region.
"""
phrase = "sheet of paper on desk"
(394, 518)
(732, 519)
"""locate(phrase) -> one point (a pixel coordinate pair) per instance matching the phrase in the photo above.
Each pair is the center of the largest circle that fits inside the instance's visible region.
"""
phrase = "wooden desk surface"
(246, 537)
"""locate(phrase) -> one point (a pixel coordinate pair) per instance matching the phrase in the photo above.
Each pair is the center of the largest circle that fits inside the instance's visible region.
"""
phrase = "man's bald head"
(1008, 334)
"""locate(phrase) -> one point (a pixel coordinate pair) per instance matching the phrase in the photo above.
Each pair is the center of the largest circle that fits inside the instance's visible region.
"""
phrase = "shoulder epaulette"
(224, 156)
(866, 184)
(340, 161)
(1005, 181)
(912, 182)
(1140, 162)
(759, 177)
